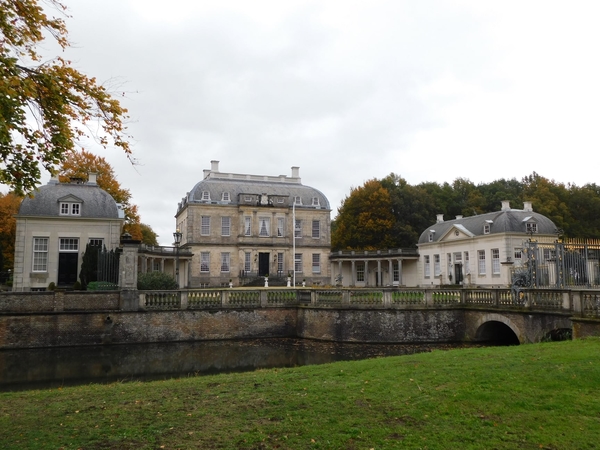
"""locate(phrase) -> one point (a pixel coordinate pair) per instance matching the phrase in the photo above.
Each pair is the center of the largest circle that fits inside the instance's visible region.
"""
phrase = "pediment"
(70, 199)
(457, 231)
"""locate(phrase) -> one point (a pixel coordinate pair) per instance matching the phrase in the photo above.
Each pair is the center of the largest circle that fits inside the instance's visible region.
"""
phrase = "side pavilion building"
(242, 226)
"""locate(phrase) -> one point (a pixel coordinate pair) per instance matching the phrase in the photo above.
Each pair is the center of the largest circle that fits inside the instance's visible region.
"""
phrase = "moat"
(44, 368)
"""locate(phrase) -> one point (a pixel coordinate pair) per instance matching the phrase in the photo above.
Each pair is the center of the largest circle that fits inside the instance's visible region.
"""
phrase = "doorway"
(263, 264)
(458, 273)
(67, 268)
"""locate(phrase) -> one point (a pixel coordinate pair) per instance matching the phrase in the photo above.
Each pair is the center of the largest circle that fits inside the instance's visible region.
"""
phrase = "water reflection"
(55, 367)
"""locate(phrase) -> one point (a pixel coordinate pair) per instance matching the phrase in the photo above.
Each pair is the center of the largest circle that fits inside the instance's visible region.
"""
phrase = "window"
(481, 261)
(437, 269)
(68, 244)
(205, 228)
(316, 229)
(73, 209)
(280, 226)
(360, 271)
(280, 267)
(426, 266)
(264, 226)
(298, 262)
(396, 270)
(247, 261)
(205, 195)
(226, 197)
(518, 253)
(430, 237)
(248, 198)
(298, 228)
(96, 242)
(486, 228)
(531, 227)
(247, 226)
(225, 262)
(467, 266)
(449, 263)
(297, 200)
(316, 263)
(225, 226)
(205, 262)
(315, 201)
(40, 254)
(495, 261)
(280, 200)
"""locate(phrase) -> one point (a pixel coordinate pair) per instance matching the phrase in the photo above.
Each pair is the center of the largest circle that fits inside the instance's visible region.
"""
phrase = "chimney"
(92, 176)
(53, 179)
(214, 166)
(505, 205)
(295, 172)
(440, 218)
(527, 206)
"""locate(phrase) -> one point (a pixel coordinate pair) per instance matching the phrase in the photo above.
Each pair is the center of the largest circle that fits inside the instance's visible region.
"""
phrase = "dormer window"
(206, 196)
(531, 227)
(225, 197)
(431, 234)
(297, 200)
(315, 201)
(486, 228)
(70, 209)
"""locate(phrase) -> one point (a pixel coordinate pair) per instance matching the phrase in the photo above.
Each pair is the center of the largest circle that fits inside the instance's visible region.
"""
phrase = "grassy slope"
(533, 396)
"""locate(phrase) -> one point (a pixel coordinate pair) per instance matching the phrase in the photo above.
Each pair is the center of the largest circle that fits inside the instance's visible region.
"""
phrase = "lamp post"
(177, 238)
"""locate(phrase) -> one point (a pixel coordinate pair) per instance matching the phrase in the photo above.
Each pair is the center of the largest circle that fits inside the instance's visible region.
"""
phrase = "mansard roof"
(280, 190)
(505, 221)
(95, 202)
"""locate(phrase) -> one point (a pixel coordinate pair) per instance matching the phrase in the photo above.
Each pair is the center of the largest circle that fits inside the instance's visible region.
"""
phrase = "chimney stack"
(440, 218)
(505, 205)
(295, 172)
(527, 206)
(214, 166)
(92, 177)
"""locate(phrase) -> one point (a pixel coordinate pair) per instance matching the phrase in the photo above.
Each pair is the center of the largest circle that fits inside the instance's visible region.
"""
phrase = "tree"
(79, 164)
(149, 237)
(46, 107)
(9, 206)
(365, 220)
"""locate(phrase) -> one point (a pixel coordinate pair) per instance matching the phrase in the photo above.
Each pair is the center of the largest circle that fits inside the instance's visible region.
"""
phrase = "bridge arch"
(497, 328)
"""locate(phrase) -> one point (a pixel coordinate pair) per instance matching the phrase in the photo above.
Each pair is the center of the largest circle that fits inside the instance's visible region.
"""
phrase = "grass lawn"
(542, 396)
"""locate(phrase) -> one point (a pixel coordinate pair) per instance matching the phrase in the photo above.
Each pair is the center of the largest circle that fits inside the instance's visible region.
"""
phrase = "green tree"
(365, 220)
(149, 237)
(45, 106)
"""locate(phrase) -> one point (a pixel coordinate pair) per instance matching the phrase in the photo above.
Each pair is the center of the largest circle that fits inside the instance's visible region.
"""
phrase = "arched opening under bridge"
(496, 333)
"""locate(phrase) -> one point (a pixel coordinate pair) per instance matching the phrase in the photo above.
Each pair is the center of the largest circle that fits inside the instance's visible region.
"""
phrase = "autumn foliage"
(9, 206)
(46, 106)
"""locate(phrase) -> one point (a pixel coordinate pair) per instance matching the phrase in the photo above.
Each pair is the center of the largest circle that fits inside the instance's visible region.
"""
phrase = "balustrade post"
(576, 302)
(428, 298)
(184, 299)
(313, 297)
(142, 298)
(387, 299)
(496, 298)
(263, 298)
(224, 297)
(346, 297)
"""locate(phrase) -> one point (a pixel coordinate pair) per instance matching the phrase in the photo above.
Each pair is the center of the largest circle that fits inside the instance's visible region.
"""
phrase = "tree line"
(391, 213)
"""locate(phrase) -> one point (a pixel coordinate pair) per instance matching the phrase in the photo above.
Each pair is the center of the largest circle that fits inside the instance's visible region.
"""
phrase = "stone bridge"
(47, 319)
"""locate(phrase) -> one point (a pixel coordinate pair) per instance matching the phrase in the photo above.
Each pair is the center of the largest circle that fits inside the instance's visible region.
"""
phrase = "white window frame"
(70, 209)
(518, 253)
(360, 271)
(481, 269)
(316, 263)
(486, 228)
(96, 242)
(40, 254)
(264, 226)
(225, 262)
(247, 225)
(226, 197)
(467, 265)
(315, 201)
(68, 244)
(531, 227)
(204, 262)
(298, 262)
(298, 228)
(437, 266)
(205, 226)
(496, 261)
(280, 227)
(226, 226)
(280, 261)
(426, 266)
(247, 261)
(206, 196)
(316, 230)
(298, 200)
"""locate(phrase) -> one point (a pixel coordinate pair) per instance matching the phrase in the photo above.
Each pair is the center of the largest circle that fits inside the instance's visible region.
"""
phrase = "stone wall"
(376, 325)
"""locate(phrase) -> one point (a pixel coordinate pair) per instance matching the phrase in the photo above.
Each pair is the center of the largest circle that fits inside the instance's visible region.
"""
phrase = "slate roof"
(506, 221)
(217, 186)
(45, 201)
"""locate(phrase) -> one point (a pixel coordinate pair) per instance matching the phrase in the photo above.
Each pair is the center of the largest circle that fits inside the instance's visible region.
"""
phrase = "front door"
(458, 273)
(67, 268)
(263, 264)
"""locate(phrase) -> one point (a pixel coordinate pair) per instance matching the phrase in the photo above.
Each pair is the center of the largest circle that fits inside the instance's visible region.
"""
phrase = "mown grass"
(527, 397)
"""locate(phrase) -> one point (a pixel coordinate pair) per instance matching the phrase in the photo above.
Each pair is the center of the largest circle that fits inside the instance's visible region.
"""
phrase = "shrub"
(52, 286)
(102, 286)
(77, 286)
(156, 281)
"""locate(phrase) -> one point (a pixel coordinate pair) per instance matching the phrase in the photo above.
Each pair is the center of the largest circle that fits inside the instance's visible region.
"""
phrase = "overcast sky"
(346, 90)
